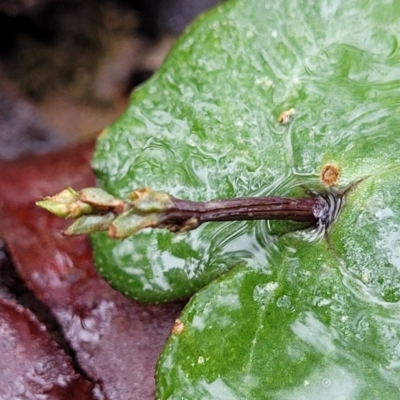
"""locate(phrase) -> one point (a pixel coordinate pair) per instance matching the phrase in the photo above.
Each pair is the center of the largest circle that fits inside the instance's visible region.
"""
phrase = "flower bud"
(65, 204)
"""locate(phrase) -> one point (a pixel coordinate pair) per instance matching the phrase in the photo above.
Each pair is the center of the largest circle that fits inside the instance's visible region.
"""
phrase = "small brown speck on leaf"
(284, 116)
(178, 327)
(330, 174)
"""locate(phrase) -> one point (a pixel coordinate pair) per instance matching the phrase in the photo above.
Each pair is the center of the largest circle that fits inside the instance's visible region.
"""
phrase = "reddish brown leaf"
(31, 364)
(117, 341)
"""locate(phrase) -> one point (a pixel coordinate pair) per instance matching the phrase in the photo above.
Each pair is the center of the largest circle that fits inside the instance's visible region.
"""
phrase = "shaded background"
(67, 67)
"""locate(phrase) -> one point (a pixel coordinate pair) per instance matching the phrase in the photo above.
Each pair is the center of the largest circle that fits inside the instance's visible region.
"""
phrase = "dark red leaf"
(31, 364)
(117, 341)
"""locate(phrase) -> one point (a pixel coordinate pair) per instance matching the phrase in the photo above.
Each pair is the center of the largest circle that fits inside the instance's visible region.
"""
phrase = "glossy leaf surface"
(31, 364)
(294, 318)
(206, 127)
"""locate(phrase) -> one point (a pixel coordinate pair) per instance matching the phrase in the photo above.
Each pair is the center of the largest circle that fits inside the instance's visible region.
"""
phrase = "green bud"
(90, 223)
(129, 223)
(100, 199)
(146, 200)
(65, 204)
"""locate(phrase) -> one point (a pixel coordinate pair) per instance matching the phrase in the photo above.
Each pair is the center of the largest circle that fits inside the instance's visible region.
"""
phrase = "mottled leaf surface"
(295, 317)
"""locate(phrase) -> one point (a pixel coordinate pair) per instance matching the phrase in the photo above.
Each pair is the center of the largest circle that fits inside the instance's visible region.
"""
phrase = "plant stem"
(145, 208)
(304, 209)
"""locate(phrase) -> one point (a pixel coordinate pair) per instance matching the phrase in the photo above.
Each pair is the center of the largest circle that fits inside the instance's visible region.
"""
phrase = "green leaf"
(295, 317)
(296, 333)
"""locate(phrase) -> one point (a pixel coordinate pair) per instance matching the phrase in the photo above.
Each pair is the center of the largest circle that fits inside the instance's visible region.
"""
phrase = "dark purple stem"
(306, 209)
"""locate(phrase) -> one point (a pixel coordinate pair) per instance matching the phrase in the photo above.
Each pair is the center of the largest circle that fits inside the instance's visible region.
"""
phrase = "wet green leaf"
(296, 333)
(295, 317)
